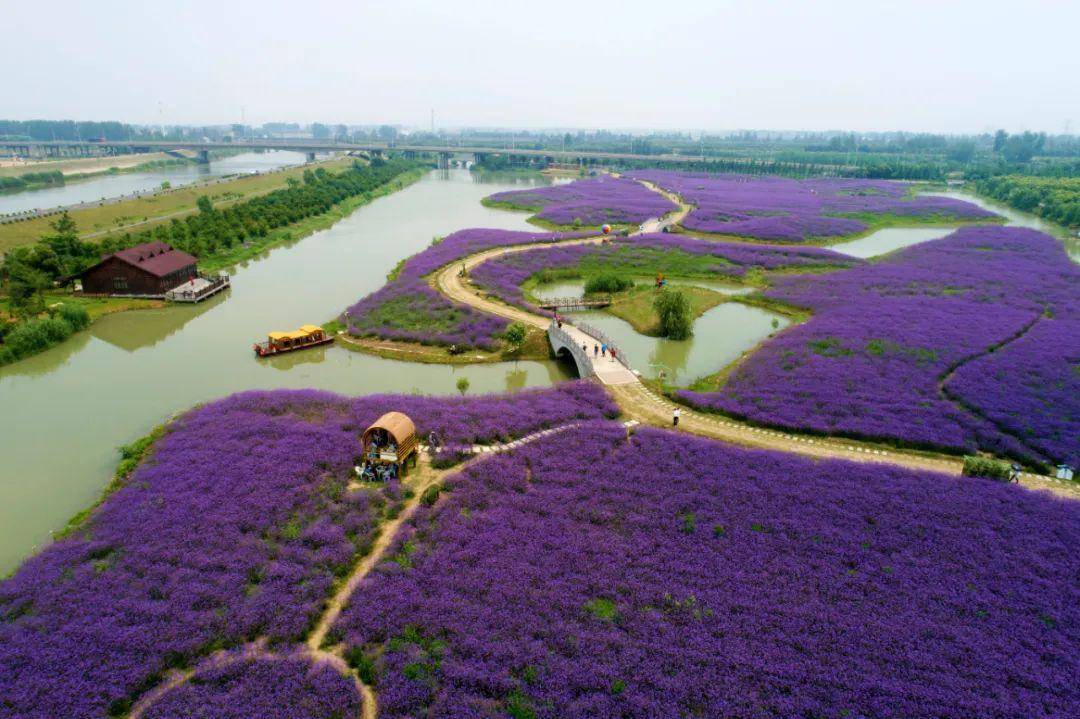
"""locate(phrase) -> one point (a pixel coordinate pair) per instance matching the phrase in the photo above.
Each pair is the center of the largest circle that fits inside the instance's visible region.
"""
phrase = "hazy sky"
(941, 65)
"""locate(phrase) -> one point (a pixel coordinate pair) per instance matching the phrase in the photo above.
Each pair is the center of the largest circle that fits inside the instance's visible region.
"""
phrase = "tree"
(205, 205)
(463, 385)
(515, 334)
(999, 140)
(674, 310)
(24, 282)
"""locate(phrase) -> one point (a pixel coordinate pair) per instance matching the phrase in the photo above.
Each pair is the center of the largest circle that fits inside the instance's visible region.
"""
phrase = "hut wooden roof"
(397, 424)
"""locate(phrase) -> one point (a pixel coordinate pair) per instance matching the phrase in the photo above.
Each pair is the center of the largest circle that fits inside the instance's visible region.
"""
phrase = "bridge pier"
(311, 157)
(444, 160)
(203, 157)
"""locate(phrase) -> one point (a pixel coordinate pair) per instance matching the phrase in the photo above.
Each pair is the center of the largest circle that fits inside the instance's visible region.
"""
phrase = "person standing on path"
(675, 418)
(595, 350)
(603, 350)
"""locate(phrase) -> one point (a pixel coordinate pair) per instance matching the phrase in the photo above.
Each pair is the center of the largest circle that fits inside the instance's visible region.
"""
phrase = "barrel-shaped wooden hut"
(391, 440)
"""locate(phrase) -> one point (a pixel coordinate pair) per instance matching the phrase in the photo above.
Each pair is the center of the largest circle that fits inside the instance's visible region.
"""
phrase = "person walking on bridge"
(675, 417)
(595, 351)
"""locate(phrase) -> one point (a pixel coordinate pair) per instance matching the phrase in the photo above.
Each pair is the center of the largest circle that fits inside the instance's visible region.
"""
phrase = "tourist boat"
(278, 342)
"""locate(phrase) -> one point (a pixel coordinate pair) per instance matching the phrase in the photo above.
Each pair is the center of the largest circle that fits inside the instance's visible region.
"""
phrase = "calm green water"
(721, 335)
(65, 411)
(1022, 219)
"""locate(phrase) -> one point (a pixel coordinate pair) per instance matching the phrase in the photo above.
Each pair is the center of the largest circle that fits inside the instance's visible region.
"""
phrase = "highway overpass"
(56, 148)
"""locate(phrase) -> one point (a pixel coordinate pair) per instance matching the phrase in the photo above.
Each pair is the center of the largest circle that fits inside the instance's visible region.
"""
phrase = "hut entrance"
(388, 445)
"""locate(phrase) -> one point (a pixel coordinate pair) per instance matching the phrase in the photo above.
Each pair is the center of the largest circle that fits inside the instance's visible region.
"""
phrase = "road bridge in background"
(73, 148)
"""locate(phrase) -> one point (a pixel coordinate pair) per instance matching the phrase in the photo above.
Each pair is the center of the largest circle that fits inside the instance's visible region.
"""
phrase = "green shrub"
(430, 495)
(674, 310)
(985, 467)
(75, 316)
(607, 282)
(515, 333)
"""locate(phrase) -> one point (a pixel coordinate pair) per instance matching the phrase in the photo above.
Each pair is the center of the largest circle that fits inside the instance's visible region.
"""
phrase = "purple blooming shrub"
(884, 336)
(590, 202)
(409, 309)
(647, 254)
(267, 688)
(235, 528)
(1030, 387)
(779, 209)
(675, 576)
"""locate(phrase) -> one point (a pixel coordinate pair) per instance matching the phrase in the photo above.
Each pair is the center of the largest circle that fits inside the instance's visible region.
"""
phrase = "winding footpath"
(314, 648)
(641, 404)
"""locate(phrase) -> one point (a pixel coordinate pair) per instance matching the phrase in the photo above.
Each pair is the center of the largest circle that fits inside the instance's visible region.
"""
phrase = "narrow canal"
(67, 410)
(126, 183)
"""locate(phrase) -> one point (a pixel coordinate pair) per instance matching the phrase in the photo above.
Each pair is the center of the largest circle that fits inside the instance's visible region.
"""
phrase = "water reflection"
(145, 328)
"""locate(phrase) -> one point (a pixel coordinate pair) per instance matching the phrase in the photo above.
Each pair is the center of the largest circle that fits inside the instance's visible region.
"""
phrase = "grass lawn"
(96, 307)
(636, 306)
(145, 212)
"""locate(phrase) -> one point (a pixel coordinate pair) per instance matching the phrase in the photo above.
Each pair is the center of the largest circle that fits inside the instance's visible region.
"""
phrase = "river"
(126, 183)
(66, 410)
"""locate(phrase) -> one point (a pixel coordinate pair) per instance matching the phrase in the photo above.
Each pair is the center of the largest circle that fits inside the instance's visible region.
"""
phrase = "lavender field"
(997, 305)
(409, 309)
(604, 199)
(673, 255)
(267, 688)
(675, 576)
(777, 209)
(235, 529)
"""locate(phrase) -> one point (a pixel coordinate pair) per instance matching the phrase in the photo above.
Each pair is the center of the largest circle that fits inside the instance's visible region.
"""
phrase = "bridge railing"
(599, 335)
(581, 357)
(562, 303)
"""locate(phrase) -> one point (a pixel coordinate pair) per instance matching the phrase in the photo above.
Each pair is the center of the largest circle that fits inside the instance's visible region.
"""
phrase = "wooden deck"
(202, 287)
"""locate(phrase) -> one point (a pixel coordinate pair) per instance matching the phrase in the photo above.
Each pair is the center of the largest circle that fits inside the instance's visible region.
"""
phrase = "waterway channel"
(126, 183)
(64, 412)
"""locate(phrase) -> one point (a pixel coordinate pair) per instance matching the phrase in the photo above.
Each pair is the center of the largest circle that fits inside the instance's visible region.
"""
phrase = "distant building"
(1064, 471)
(148, 270)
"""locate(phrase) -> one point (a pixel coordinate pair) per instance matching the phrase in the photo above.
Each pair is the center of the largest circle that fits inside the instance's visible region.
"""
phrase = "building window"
(120, 283)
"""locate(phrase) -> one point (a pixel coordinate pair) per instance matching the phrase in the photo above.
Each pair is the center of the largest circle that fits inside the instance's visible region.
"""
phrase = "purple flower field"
(234, 529)
(407, 308)
(590, 202)
(778, 209)
(1031, 387)
(269, 688)
(677, 577)
(647, 254)
(885, 335)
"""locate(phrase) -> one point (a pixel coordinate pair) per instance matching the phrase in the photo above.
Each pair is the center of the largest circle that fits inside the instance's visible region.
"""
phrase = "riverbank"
(111, 384)
(50, 336)
(104, 219)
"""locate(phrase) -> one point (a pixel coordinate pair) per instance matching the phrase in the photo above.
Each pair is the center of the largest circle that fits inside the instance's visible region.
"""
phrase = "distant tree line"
(64, 130)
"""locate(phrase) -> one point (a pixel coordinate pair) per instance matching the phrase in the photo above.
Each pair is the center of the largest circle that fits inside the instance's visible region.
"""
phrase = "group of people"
(374, 470)
(600, 350)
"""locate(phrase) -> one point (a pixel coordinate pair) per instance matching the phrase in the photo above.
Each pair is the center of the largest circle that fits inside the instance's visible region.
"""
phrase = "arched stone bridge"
(575, 342)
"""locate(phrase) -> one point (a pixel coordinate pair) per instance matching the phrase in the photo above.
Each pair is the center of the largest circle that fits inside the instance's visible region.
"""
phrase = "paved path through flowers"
(639, 403)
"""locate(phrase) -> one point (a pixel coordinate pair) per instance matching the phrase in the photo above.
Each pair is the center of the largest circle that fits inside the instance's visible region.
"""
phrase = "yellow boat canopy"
(304, 331)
